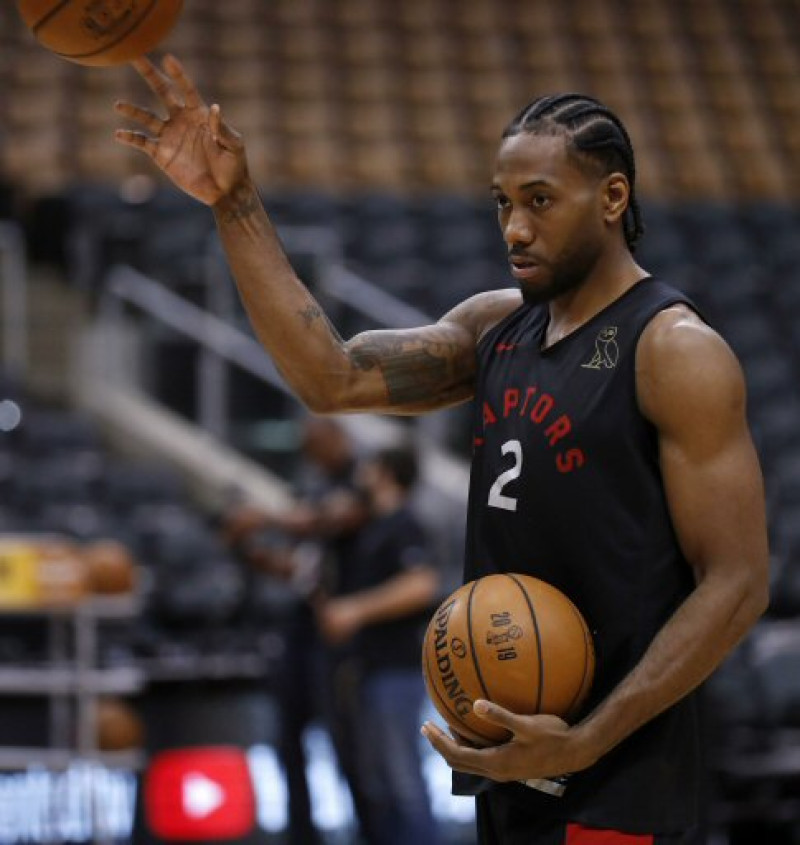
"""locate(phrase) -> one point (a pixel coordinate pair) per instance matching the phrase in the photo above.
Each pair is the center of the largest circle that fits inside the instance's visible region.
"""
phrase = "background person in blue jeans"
(395, 587)
(311, 680)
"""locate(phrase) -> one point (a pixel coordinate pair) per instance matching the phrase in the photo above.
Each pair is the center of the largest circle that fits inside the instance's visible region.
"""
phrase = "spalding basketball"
(99, 32)
(511, 639)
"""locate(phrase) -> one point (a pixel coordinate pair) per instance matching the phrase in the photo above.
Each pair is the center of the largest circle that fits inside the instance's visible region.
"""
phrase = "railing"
(14, 298)
(220, 343)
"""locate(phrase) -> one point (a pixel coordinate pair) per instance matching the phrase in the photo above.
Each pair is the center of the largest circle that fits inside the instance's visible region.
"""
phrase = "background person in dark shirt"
(384, 617)
(308, 546)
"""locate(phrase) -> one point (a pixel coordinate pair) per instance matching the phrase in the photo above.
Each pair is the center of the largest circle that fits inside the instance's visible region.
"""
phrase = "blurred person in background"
(393, 585)
(307, 546)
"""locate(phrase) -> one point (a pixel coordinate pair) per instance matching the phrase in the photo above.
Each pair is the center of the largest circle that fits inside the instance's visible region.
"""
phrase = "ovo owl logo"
(606, 351)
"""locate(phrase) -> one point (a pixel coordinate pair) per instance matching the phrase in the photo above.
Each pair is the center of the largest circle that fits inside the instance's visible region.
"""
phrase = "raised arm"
(408, 371)
(691, 388)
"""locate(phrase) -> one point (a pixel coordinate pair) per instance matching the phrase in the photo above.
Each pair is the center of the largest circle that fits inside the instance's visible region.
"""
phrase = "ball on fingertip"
(99, 32)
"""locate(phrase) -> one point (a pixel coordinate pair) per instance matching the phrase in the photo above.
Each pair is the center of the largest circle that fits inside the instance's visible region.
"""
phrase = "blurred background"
(136, 409)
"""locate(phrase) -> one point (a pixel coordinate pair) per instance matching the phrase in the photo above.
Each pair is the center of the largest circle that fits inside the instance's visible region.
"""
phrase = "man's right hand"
(199, 152)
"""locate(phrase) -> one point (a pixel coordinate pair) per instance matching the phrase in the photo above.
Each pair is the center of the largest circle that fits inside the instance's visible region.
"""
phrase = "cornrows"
(591, 130)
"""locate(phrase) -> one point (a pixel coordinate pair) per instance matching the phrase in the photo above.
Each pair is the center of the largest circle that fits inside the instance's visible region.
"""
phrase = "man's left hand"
(540, 747)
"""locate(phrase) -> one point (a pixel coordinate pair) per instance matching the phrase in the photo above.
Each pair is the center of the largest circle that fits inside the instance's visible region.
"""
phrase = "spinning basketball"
(511, 639)
(99, 32)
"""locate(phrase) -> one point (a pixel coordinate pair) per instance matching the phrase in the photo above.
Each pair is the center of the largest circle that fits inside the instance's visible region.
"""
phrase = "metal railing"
(222, 344)
(219, 341)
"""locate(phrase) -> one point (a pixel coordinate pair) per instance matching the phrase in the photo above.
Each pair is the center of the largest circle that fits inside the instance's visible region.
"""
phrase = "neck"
(612, 276)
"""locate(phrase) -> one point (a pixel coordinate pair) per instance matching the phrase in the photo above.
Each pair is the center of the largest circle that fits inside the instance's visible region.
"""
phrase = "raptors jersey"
(566, 486)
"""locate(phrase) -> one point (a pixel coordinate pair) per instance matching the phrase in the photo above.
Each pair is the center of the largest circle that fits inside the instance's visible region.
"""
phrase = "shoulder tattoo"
(415, 370)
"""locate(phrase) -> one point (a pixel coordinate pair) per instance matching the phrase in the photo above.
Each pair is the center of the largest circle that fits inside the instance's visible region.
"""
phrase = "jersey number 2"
(496, 497)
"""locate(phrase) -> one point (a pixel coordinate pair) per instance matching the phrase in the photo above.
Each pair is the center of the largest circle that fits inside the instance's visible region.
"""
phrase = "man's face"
(550, 212)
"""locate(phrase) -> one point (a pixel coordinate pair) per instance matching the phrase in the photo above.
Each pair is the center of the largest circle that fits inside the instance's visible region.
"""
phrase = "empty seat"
(381, 243)
(126, 486)
(64, 478)
(84, 521)
(52, 432)
(457, 242)
(769, 376)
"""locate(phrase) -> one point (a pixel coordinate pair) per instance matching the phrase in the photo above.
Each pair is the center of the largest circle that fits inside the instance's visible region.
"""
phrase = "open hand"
(541, 747)
(199, 152)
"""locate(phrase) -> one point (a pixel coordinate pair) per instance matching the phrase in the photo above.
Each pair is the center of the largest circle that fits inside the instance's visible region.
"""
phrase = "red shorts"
(577, 834)
(499, 828)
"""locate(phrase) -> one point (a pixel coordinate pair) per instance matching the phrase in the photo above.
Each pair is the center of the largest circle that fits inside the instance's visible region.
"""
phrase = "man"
(318, 537)
(394, 586)
(612, 453)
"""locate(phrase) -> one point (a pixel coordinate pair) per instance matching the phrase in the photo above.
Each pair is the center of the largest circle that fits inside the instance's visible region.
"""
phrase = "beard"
(565, 275)
(556, 286)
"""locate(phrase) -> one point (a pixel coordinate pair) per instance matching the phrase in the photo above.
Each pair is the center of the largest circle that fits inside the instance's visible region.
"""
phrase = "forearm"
(400, 596)
(286, 318)
(405, 371)
(697, 638)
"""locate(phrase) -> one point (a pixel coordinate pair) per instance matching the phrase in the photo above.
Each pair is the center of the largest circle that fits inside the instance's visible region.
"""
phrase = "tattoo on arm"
(414, 371)
(311, 313)
(245, 204)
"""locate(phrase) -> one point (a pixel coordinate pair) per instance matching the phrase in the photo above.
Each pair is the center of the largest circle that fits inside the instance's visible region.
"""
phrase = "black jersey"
(388, 546)
(566, 486)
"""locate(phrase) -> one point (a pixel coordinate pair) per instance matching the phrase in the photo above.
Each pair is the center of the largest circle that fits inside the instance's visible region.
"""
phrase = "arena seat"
(126, 485)
(694, 72)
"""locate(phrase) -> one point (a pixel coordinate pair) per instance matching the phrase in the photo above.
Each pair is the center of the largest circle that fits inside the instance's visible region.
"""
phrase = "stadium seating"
(58, 477)
(345, 94)
(378, 120)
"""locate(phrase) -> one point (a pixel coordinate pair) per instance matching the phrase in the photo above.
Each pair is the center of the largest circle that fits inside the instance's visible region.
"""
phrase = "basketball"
(99, 32)
(119, 727)
(511, 639)
(110, 566)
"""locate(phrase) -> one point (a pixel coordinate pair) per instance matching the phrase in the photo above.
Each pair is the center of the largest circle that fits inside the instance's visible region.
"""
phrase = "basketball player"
(612, 455)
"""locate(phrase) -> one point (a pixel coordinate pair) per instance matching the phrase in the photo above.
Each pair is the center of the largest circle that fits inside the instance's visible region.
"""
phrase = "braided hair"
(591, 130)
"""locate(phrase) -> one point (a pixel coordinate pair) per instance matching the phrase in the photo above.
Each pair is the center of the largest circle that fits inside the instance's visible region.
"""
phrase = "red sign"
(200, 794)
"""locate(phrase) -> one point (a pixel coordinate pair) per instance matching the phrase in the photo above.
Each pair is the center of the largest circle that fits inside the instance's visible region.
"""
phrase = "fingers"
(178, 74)
(460, 740)
(138, 140)
(151, 122)
(157, 83)
(496, 714)
(223, 135)
(461, 757)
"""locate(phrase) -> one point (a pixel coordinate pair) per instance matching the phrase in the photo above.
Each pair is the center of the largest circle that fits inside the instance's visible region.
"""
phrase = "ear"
(616, 195)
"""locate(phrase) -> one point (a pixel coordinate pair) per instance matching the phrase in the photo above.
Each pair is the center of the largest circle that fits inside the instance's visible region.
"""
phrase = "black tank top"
(566, 486)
